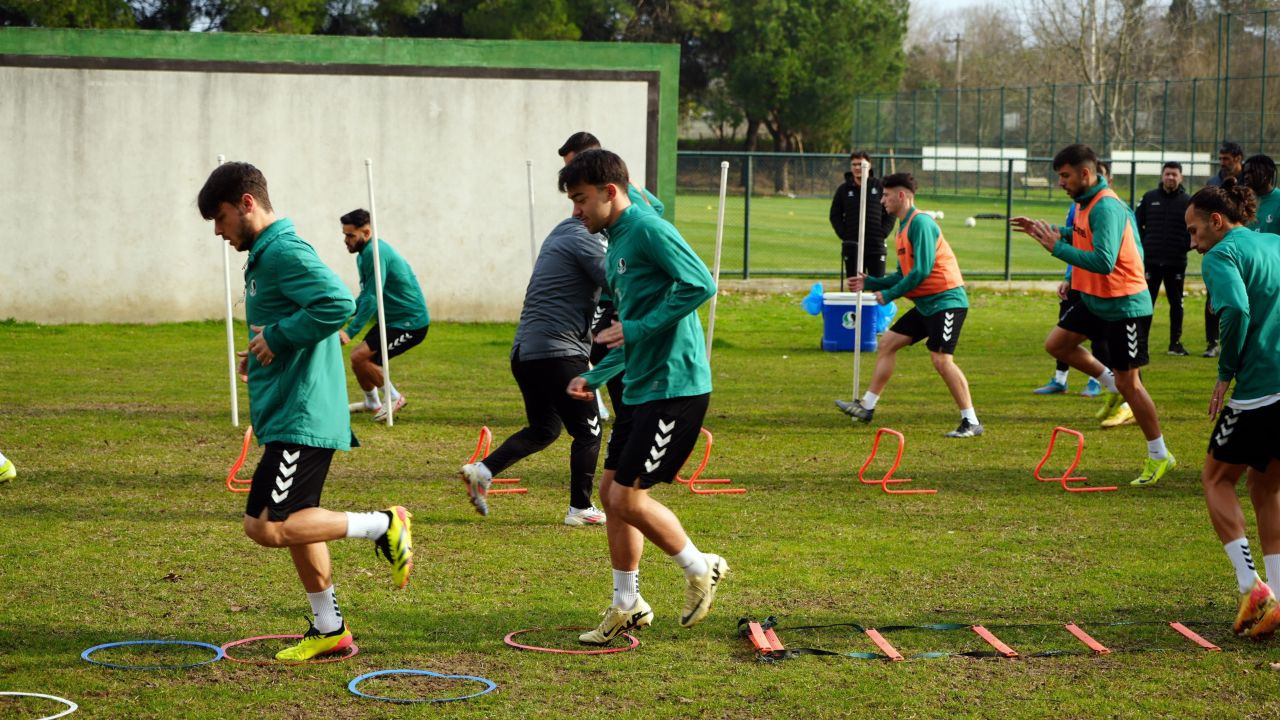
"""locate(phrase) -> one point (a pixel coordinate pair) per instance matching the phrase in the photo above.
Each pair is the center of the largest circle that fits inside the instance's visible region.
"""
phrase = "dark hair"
(899, 180)
(1171, 164)
(859, 155)
(228, 183)
(1259, 172)
(358, 217)
(1232, 200)
(1231, 148)
(1104, 166)
(594, 167)
(1077, 155)
(578, 142)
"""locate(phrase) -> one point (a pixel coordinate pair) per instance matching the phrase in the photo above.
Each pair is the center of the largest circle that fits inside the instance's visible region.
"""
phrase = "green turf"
(119, 527)
(793, 236)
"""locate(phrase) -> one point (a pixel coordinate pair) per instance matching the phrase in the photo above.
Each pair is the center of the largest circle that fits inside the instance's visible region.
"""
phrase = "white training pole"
(231, 334)
(382, 310)
(715, 271)
(862, 248)
(533, 239)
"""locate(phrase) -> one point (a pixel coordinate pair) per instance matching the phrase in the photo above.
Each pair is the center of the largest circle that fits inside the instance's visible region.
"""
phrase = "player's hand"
(1063, 288)
(611, 336)
(578, 390)
(242, 368)
(880, 298)
(1219, 394)
(857, 282)
(258, 346)
(343, 337)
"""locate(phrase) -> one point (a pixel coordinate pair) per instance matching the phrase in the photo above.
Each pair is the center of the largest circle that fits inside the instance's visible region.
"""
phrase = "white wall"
(100, 169)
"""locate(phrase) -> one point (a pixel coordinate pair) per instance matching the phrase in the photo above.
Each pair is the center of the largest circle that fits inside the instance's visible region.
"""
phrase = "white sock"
(1156, 449)
(1272, 564)
(392, 392)
(626, 588)
(368, 525)
(970, 415)
(1108, 380)
(1060, 376)
(371, 398)
(324, 606)
(869, 400)
(1242, 561)
(691, 560)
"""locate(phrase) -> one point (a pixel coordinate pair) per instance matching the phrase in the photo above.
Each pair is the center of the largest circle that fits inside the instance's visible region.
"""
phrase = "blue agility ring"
(353, 686)
(219, 653)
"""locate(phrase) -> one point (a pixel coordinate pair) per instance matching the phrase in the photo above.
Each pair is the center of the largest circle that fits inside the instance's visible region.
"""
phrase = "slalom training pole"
(715, 272)
(382, 310)
(533, 238)
(862, 248)
(231, 335)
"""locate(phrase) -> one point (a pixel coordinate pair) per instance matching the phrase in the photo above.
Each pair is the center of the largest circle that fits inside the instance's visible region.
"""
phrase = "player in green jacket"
(294, 305)
(1260, 175)
(658, 283)
(403, 304)
(1242, 271)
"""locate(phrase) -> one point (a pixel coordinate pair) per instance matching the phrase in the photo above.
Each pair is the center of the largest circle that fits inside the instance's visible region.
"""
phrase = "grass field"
(119, 527)
(793, 236)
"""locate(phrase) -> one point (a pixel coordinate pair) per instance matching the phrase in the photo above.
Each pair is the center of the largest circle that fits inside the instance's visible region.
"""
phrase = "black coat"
(1162, 226)
(844, 213)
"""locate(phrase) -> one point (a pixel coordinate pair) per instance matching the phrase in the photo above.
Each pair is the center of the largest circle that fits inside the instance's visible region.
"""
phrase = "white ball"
(970, 222)
(941, 215)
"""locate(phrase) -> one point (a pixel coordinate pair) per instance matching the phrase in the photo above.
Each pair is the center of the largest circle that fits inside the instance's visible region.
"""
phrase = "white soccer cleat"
(590, 516)
(381, 414)
(701, 590)
(477, 479)
(361, 407)
(617, 621)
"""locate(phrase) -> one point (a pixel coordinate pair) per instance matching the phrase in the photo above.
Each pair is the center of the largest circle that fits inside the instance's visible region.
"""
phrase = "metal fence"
(780, 226)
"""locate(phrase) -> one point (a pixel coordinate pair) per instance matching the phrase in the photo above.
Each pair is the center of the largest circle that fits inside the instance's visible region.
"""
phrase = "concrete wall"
(103, 159)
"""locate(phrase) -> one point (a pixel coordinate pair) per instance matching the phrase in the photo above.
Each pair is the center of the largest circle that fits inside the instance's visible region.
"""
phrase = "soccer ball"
(941, 215)
(970, 222)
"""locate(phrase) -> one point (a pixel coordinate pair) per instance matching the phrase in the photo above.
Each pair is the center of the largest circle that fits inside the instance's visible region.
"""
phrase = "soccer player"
(1115, 303)
(1165, 245)
(403, 303)
(1242, 269)
(551, 347)
(658, 283)
(294, 305)
(1230, 165)
(7, 470)
(1260, 175)
(928, 274)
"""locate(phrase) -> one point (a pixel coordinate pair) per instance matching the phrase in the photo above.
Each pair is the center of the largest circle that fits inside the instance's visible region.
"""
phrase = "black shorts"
(941, 328)
(1126, 340)
(652, 442)
(398, 341)
(1246, 437)
(289, 478)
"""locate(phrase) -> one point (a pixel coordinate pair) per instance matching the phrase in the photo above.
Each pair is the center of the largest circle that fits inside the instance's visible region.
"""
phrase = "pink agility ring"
(354, 649)
(510, 640)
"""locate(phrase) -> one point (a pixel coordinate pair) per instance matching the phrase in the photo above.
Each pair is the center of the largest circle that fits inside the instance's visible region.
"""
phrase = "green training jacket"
(301, 397)
(1268, 220)
(402, 298)
(1242, 273)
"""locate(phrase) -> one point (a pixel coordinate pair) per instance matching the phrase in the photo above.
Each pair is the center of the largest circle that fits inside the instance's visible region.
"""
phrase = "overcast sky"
(945, 4)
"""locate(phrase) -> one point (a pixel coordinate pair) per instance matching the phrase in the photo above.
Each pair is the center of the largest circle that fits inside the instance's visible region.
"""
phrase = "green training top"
(1242, 273)
(657, 282)
(1107, 221)
(402, 298)
(1268, 220)
(923, 235)
(301, 397)
(645, 199)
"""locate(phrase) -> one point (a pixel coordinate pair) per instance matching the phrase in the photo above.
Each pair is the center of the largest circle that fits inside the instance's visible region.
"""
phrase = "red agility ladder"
(235, 484)
(888, 478)
(884, 645)
(994, 642)
(482, 450)
(1085, 638)
(1193, 637)
(1066, 474)
(697, 478)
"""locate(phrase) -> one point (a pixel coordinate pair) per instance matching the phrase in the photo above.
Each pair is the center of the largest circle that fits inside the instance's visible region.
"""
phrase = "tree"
(68, 13)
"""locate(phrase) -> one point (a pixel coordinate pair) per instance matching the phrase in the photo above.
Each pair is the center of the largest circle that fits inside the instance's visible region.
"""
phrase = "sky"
(943, 5)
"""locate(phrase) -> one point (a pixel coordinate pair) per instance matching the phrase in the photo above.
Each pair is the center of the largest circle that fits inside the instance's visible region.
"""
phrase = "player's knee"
(941, 361)
(262, 532)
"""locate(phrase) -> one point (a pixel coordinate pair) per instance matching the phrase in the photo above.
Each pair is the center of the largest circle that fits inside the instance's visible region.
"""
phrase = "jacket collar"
(267, 236)
(1083, 198)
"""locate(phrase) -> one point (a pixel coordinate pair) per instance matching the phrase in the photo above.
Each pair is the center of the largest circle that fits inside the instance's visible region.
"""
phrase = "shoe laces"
(312, 631)
(382, 547)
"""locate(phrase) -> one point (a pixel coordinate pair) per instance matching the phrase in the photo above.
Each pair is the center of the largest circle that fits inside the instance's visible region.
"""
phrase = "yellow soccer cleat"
(8, 471)
(1257, 606)
(1153, 470)
(397, 545)
(617, 621)
(315, 643)
(1109, 405)
(701, 590)
(1122, 415)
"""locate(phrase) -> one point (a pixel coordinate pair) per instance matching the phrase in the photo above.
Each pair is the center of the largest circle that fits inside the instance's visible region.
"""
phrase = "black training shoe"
(855, 410)
(1177, 349)
(966, 430)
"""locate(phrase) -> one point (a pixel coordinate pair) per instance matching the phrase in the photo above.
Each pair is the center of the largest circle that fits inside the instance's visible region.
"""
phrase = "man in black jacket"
(844, 220)
(1165, 242)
